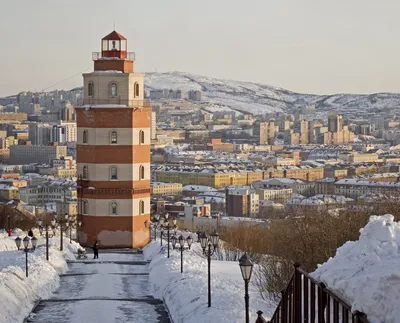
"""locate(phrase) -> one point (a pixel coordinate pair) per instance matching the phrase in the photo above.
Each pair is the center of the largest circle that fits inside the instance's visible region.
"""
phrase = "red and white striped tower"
(113, 150)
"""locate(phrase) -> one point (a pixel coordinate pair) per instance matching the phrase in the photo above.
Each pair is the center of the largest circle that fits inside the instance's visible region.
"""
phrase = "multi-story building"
(335, 123)
(267, 132)
(27, 154)
(277, 194)
(241, 202)
(50, 191)
(354, 188)
(153, 127)
(113, 150)
(40, 133)
(64, 132)
(165, 189)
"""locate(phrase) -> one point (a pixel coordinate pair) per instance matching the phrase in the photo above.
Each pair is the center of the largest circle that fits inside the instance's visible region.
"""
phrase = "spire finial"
(114, 26)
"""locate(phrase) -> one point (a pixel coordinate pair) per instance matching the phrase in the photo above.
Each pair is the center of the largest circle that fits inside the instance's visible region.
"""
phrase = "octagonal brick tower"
(113, 151)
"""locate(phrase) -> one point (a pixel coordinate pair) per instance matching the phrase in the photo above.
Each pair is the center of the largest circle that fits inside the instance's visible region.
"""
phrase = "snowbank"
(18, 293)
(367, 272)
(185, 294)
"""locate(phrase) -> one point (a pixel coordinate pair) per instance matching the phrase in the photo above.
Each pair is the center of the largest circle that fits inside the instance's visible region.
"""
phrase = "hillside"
(260, 98)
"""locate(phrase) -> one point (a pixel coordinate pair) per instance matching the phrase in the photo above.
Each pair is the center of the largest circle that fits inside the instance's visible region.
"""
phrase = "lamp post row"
(209, 245)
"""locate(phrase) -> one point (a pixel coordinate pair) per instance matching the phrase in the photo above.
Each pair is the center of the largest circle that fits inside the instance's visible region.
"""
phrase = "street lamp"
(212, 243)
(246, 267)
(46, 228)
(26, 241)
(9, 224)
(181, 240)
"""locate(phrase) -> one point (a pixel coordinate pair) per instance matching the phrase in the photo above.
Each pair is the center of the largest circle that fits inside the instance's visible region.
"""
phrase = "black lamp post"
(46, 228)
(26, 241)
(246, 267)
(212, 243)
(168, 227)
(63, 222)
(181, 240)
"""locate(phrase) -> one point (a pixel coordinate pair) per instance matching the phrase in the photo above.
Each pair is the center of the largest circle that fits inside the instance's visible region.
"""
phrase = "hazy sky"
(311, 46)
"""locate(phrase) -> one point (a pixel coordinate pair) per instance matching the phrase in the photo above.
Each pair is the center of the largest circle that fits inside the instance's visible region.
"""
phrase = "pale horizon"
(302, 46)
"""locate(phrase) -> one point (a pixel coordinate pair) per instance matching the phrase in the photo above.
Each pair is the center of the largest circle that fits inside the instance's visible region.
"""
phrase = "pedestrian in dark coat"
(96, 250)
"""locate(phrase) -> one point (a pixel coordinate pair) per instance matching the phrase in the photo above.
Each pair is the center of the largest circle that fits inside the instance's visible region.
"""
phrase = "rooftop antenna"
(114, 26)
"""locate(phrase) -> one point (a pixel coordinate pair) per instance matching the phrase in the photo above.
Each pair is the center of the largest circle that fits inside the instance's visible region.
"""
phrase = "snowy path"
(113, 288)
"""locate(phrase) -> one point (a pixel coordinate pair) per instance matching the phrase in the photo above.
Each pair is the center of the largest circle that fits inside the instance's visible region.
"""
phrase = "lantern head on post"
(246, 267)
(18, 242)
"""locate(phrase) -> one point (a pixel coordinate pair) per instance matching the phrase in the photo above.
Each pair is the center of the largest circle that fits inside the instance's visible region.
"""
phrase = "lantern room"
(114, 45)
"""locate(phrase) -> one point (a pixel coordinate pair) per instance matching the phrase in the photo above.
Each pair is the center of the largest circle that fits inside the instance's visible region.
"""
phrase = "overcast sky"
(310, 46)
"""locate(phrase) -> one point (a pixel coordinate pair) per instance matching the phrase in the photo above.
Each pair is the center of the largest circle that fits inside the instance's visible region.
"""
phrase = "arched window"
(85, 207)
(141, 172)
(85, 172)
(85, 137)
(113, 90)
(136, 90)
(141, 207)
(113, 173)
(113, 208)
(141, 137)
(90, 89)
(113, 137)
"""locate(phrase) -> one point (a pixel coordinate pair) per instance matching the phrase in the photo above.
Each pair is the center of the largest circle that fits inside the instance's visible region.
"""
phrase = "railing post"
(321, 302)
(284, 307)
(297, 299)
(259, 317)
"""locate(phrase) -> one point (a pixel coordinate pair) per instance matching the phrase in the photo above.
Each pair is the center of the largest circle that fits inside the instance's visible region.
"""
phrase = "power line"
(64, 80)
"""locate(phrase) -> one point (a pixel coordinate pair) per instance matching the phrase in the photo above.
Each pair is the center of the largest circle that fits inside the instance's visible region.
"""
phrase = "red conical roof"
(114, 36)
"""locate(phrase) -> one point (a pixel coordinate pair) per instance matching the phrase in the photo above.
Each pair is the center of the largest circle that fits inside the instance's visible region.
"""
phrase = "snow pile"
(18, 292)
(367, 272)
(185, 295)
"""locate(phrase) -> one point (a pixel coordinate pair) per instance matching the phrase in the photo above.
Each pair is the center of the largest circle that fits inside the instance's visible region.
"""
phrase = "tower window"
(136, 90)
(113, 173)
(114, 137)
(85, 172)
(141, 207)
(85, 207)
(90, 89)
(141, 137)
(113, 90)
(85, 137)
(113, 208)
(141, 172)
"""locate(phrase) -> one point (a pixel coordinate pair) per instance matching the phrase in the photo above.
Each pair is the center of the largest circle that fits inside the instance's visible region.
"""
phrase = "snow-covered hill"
(260, 98)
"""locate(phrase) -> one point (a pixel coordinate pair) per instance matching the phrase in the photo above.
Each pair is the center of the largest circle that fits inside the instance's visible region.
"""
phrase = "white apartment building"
(51, 191)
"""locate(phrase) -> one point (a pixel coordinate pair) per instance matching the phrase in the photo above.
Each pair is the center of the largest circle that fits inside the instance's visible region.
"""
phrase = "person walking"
(96, 250)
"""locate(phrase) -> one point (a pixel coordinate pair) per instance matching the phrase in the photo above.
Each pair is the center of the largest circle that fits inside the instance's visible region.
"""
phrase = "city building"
(153, 127)
(241, 202)
(27, 154)
(113, 150)
(165, 189)
(40, 133)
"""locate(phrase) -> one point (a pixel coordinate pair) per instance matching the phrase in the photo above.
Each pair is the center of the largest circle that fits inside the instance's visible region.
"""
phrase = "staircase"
(308, 300)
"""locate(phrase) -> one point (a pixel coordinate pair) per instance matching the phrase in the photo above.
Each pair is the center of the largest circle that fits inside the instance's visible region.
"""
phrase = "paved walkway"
(113, 288)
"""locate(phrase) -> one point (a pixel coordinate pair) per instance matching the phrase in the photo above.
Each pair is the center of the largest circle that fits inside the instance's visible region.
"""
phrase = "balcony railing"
(114, 101)
(130, 56)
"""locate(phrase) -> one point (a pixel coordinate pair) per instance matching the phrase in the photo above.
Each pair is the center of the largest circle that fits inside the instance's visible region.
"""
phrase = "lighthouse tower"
(113, 150)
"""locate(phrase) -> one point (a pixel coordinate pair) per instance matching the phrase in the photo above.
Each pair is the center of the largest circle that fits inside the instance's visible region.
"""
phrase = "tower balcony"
(130, 56)
(113, 102)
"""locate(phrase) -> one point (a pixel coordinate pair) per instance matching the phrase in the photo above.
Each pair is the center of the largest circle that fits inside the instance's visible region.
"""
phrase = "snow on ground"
(19, 293)
(185, 295)
(367, 272)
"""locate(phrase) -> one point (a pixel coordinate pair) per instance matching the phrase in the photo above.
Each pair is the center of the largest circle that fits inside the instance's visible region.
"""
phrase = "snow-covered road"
(113, 288)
